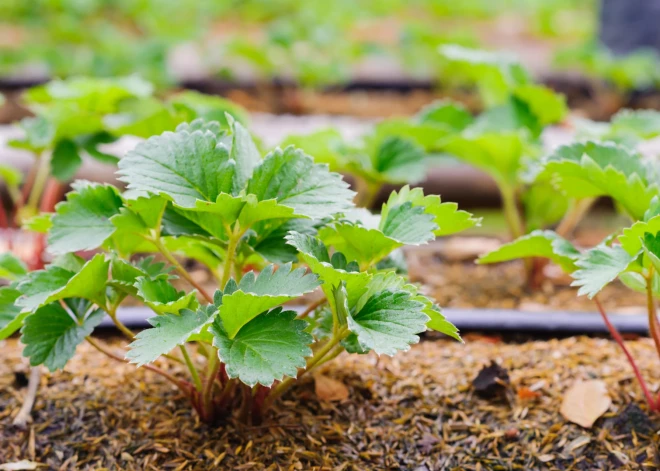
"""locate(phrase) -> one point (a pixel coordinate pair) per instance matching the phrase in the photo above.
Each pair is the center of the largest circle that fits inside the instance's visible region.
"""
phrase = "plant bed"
(416, 411)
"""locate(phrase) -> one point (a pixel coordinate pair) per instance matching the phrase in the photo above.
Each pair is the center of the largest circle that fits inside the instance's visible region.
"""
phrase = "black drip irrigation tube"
(550, 323)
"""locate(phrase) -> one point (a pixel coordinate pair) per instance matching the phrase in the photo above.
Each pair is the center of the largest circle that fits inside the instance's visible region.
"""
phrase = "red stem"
(619, 340)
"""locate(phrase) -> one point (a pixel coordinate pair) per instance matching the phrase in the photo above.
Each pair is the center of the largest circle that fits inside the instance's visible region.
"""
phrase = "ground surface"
(417, 411)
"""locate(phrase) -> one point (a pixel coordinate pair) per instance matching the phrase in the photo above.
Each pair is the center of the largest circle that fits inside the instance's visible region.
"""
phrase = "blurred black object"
(630, 25)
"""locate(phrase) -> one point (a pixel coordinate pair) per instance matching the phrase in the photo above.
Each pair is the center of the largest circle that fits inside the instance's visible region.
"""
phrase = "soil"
(417, 411)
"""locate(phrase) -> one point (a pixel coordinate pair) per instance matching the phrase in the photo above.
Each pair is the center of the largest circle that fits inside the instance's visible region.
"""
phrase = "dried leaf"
(491, 381)
(526, 394)
(585, 402)
(328, 389)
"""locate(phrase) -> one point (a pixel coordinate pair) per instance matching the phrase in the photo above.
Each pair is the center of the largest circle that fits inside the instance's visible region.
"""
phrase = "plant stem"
(179, 268)
(619, 340)
(574, 215)
(654, 326)
(312, 307)
(23, 415)
(234, 238)
(40, 179)
(367, 192)
(112, 313)
(180, 384)
(511, 212)
(191, 367)
(213, 368)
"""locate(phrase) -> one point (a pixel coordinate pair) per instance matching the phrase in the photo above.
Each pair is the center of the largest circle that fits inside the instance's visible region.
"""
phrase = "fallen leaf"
(491, 381)
(23, 465)
(328, 389)
(585, 402)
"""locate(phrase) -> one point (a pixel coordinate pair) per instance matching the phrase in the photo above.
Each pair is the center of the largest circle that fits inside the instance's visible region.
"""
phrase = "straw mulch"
(417, 411)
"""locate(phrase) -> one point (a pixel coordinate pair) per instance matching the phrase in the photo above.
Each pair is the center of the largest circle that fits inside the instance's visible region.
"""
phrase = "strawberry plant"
(631, 256)
(503, 141)
(207, 194)
(74, 118)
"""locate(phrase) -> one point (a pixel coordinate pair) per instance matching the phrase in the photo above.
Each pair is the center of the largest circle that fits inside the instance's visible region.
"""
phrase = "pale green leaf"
(69, 278)
(182, 166)
(266, 349)
(167, 332)
(82, 222)
(162, 297)
(388, 322)
(315, 254)
(11, 267)
(11, 318)
(51, 335)
(544, 244)
(598, 267)
(294, 180)
(258, 293)
(585, 170)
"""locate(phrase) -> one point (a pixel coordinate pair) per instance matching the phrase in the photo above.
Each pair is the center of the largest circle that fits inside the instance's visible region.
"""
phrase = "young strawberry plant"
(632, 256)
(207, 194)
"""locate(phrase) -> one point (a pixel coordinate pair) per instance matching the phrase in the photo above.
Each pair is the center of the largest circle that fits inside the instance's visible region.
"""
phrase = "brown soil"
(416, 411)
(504, 286)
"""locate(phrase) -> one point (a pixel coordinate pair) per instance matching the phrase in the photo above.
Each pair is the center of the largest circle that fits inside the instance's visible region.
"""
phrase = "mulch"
(417, 411)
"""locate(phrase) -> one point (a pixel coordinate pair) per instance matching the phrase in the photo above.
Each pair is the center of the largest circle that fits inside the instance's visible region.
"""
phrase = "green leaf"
(11, 267)
(598, 267)
(167, 332)
(543, 204)
(83, 221)
(325, 145)
(498, 154)
(39, 134)
(631, 239)
(11, 176)
(388, 322)
(445, 112)
(162, 297)
(244, 152)
(65, 160)
(294, 180)
(422, 134)
(439, 323)
(496, 74)
(366, 246)
(586, 170)
(545, 244)
(447, 217)
(66, 278)
(51, 335)
(399, 160)
(644, 124)
(40, 223)
(182, 166)
(257, 294)
(11, 318)
(315, 254)
(267, 348)
(546, 105)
